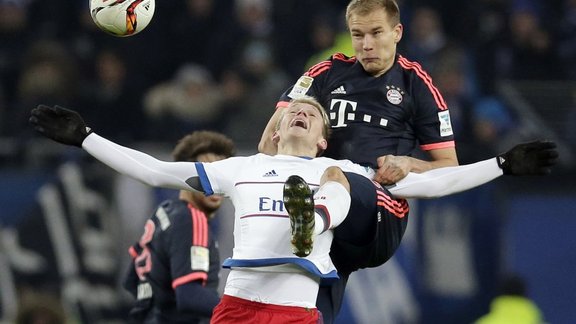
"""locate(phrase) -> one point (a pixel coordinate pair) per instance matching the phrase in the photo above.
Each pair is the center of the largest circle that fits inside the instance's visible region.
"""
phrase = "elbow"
(152, 181)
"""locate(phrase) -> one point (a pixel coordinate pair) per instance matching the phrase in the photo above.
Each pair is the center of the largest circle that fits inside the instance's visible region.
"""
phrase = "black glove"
(534, 158)
(59, 124)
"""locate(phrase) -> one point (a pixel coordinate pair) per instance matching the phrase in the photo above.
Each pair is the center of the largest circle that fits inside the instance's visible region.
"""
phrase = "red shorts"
(234, 310)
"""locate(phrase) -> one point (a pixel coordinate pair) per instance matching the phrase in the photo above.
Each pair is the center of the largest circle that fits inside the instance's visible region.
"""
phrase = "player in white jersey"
(267, 279)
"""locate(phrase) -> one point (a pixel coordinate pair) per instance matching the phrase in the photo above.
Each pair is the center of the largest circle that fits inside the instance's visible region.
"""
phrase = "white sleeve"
(446, 181)
(140, 166)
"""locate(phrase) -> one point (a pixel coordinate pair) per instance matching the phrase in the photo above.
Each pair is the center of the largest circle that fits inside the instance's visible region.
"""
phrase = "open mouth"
(297, 122)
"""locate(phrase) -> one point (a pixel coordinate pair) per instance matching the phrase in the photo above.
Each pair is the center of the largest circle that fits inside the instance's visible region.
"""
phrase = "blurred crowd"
(221, 64)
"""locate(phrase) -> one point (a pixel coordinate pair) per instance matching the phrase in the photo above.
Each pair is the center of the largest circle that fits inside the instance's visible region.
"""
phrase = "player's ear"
(398, 31)
(322, 145)
(275, 137)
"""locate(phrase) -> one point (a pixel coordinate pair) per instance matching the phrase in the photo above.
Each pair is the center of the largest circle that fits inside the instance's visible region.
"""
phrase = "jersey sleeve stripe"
(317, 69)
(344, 58)
(398, 207)
(427, 80)
(435, 146)
(199, 227)
(189, 278)
(204, 181)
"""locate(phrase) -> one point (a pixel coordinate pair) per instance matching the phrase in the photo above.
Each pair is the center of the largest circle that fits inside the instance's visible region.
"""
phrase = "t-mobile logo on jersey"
(340, 113)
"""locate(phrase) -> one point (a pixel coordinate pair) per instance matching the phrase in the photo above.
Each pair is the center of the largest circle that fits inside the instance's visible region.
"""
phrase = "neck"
(297, 149)
(188, 197)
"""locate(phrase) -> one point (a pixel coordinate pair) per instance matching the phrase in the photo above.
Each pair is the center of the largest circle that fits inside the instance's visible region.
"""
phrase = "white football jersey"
(262, 227)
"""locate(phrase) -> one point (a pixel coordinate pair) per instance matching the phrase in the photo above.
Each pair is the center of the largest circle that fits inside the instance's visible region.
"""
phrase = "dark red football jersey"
(177, 247)
(376, 116)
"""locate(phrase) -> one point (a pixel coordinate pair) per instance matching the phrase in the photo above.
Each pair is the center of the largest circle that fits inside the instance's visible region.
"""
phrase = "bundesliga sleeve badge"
(301, 87)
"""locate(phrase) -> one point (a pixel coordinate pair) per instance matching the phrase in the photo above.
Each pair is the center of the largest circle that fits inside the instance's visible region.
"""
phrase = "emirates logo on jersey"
(394, 95)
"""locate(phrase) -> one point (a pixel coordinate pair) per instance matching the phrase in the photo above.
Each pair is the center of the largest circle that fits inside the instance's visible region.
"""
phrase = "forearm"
(447, 180)
(419, 166)
(138, 165)
(267, 144)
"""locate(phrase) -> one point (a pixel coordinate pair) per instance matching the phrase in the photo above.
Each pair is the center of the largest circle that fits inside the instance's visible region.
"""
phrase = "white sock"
(331, 202)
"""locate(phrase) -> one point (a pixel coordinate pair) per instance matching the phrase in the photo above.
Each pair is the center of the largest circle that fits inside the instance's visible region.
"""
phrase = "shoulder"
(411, 67)
(233, 161)
(336, 60)
(172, 211)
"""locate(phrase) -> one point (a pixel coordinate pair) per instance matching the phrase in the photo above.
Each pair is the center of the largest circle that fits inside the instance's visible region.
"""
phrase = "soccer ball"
(122, 17)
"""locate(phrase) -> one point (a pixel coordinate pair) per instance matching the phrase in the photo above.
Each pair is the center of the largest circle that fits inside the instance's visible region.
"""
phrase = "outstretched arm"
(392, 169)
(535, 158)
(140, 166)
(446, 181)
(67, 127)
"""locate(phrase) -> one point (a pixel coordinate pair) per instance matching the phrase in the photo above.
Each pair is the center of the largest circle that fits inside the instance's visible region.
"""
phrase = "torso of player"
(176, 247)
(375, 116)
(174, 219)
(262, 227)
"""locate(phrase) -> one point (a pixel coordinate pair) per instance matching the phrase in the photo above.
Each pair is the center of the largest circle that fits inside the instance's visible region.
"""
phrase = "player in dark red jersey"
(381, 106)
(174, 276)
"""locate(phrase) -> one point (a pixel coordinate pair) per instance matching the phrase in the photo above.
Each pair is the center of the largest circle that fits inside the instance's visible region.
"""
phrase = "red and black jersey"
(376, 116)
(177, 247)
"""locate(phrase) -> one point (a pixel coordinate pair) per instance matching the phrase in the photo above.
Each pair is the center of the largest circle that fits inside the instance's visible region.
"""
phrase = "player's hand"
(59, 124)
(392, 169)
(534, 158)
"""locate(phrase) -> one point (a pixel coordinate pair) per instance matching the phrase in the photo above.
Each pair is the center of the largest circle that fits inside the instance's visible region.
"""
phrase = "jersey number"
(143, 262)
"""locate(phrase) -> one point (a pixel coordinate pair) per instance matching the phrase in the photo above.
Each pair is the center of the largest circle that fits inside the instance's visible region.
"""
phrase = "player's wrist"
(504, 163)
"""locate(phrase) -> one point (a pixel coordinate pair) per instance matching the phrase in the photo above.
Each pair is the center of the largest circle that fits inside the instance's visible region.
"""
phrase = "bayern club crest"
(394, 95)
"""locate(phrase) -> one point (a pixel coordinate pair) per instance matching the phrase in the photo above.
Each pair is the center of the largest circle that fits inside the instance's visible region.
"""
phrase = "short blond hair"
(364, 7)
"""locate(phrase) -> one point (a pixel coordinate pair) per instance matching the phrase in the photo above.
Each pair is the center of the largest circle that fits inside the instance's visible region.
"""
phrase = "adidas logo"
(339, 90)
(270, 174)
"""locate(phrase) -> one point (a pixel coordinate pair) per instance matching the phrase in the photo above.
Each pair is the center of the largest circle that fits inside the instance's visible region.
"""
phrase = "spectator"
(426, 37)
(14, 39)
(49, 74)
(112, 92)
(189, 101)
(512, 305)
(264, 81)
(567, 39)
(40, 308)
(528, 53)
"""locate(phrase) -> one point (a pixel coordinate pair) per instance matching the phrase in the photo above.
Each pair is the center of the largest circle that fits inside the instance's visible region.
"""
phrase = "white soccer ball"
(122, 17)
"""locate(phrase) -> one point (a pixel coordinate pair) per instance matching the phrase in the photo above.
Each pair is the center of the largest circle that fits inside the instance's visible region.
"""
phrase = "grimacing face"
(374, 40)
(302, 118)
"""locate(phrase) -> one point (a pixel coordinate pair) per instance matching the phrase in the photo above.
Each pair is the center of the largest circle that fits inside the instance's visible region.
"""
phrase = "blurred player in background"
(382, 107)
(174, 276)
